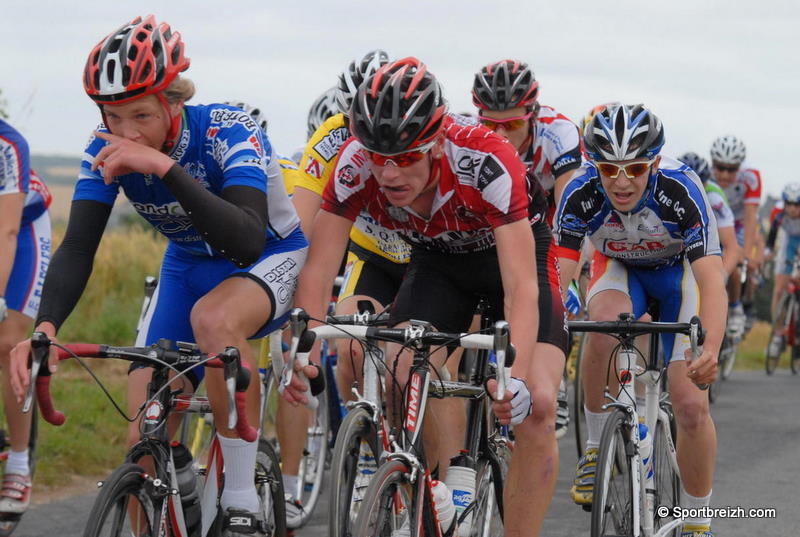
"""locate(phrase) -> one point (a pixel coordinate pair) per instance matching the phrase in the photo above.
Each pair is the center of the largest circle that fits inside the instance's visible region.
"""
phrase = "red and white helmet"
(140, 58)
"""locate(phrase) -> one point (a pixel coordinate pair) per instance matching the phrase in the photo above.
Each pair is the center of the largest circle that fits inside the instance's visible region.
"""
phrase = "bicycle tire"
(578, 410)
(125, 484)
(487, 518)
(613, 488)
(667, 479)
(726, 367)
(342, 510)
(390, 503)
(269, 486)
(772, 359)
(312, 465)
(795, 361)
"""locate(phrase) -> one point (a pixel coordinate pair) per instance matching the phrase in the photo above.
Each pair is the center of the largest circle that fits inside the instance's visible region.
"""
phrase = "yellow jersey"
(316, 169)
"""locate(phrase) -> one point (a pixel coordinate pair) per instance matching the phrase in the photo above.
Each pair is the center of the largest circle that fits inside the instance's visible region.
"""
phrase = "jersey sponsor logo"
(9, 167)
(198, 171)
(572, 223)
(314, 168)
(282, 280)
(228, 118)
(490, 170)
(465, 163)
(669, 202)
(347, 176)
(643, 248)
(168, 218)
(253, 139)
(151, 209)
(181, 147)
(655, 229)
(563, 162)
(330, 144)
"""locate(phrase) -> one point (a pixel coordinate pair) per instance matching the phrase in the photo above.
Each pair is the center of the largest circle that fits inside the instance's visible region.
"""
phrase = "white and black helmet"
(254, 112)
(322, 108)
(356, 73)
(623, 132)
(791, 193)
(728, 150)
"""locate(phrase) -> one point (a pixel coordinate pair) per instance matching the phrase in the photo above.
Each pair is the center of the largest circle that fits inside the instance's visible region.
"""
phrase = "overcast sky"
(706, 68)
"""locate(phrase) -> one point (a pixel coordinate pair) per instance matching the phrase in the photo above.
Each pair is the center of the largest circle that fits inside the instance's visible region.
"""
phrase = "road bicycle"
(786, 324)
(398, 497)
(144, 496)
(637, 468)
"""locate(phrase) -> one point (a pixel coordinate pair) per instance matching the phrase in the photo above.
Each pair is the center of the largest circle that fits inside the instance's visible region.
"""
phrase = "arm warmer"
(71, 265)
(233, 223)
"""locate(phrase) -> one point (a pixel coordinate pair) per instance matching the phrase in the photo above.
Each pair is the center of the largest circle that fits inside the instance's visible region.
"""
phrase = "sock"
(290, 484)
(18, 463)
(595, 422)
(240, 464)
(692, 502)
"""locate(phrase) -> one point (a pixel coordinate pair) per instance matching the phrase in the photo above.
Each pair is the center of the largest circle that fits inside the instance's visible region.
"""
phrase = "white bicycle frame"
(654, 416)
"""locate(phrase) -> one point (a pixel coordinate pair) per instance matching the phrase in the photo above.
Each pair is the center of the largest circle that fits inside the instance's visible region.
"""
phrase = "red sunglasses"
(401, 160)
(509, 124)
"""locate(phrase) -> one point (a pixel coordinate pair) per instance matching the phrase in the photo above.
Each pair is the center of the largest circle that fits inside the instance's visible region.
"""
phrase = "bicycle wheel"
(487, 518)
(612, 505)
(795, 362)
(391, 501)
(666, 476)
(312, 465)
(578, 411)
(777, 342)
(726, 365)
(269, 486)
(357, 430)
(124, 507)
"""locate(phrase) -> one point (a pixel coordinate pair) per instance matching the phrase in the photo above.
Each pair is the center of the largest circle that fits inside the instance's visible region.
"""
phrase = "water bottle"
(443, 505)
(461, 482)
(187, 486)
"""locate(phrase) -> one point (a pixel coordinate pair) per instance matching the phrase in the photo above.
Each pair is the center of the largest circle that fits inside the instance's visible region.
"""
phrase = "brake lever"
(696, 338)
(502, 335)
(40, 347)
(230, 358)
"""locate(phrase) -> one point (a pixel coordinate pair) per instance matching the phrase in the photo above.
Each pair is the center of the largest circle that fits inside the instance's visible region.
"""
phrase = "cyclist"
(24, 256)
(506, 94)
(471, 235)
(199, 175)
(655, 235)
(785, 216)
(322, 108)
(731, 251)
(742, 186)
(376, 257)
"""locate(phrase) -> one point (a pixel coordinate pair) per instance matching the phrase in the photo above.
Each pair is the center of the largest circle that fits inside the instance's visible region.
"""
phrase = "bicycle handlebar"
(626, 327)
(237, 373)
(418, 335)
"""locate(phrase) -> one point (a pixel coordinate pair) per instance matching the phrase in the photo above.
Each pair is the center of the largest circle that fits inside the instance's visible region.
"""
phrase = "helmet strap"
(174, 124)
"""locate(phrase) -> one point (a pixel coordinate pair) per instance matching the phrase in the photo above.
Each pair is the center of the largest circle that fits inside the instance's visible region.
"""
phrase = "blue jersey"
(220, 146)
(16, 176)
(674, 219)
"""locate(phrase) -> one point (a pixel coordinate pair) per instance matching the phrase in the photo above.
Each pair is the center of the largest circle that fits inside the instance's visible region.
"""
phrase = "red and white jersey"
(481, 186)
(745, 191)
(556, 147)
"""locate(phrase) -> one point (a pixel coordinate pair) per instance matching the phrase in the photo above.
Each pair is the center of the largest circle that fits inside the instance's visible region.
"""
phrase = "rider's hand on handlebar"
(19, 366)
(295, 392)
(516, 405)
(702, 370)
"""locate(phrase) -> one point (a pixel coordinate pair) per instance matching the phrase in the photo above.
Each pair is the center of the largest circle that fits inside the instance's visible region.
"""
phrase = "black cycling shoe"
(238, 522)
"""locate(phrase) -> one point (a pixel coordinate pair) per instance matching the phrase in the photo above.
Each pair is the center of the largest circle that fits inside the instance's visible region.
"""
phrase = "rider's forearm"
(750, 229)
(713, 300)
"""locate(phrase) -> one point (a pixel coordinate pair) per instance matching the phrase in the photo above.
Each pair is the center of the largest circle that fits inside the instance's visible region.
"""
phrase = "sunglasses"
(401, 160)
(632, 170)
(509, 124)
(723, 168)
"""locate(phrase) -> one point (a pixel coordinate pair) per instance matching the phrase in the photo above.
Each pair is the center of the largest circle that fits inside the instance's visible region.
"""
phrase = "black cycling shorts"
(444, 289)
(372, 275)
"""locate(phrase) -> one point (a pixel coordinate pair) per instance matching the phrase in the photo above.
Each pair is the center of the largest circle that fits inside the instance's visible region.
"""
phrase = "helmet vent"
(132, 53)
(126, 75)
(110, 66)
(141, 36)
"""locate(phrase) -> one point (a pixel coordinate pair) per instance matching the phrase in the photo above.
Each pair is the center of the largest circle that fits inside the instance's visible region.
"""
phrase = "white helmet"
(728, 150)
(254, 112)
(357, 72)
(791, 193)
(321, 109)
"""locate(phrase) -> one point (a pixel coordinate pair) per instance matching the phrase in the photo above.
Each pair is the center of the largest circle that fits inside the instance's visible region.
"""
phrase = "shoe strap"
(16, 487)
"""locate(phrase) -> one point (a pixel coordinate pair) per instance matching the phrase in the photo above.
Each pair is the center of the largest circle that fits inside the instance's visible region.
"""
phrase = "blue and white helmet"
(728, 150)
(791, 193)
(698, 164)
(623, 132)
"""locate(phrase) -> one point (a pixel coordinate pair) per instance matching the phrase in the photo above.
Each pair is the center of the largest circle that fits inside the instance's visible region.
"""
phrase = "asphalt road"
(757, 467)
